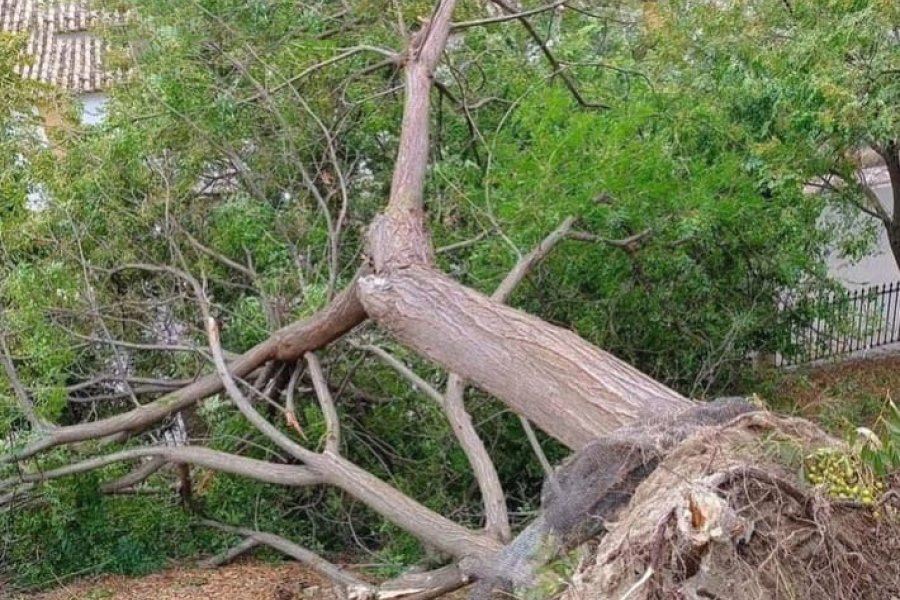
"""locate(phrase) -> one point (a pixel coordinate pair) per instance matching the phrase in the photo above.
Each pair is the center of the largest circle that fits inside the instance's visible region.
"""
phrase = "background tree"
(811, 86)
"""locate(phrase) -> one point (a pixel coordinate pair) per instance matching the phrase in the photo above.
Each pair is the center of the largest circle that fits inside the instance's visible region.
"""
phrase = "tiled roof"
(62, 51)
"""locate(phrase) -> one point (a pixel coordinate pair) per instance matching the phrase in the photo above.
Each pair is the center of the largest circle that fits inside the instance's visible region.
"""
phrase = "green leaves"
(883, 456)
(728, 231)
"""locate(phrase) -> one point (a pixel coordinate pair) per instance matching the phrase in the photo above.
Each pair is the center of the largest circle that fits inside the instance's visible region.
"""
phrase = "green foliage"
(220, 158)
(883, 455)
(809, 84)
(18, 141)
(699, 294)
(79, 531)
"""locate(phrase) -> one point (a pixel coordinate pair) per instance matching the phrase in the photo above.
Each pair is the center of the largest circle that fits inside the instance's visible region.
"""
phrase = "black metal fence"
(845, 322)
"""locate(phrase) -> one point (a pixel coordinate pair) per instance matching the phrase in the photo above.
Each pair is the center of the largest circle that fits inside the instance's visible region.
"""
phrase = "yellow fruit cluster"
(842, 476)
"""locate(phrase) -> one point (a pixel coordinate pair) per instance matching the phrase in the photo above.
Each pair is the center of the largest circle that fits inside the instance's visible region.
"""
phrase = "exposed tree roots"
(727, 516)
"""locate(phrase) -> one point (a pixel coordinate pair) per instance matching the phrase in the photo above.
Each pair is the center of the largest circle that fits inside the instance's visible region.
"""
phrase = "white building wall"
(877, 268)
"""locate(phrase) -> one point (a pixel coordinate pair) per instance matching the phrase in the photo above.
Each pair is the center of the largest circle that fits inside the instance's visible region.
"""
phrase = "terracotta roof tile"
(63, 52)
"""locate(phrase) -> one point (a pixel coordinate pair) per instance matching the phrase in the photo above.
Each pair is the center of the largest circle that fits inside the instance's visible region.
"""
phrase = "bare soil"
(243, 580)
(843, 395)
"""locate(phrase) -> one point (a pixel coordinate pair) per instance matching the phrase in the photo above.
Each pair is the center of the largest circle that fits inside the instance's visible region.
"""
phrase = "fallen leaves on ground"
(251, 580)
(839, 395)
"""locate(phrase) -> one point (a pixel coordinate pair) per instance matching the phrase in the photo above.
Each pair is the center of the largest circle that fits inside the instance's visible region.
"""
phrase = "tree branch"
(399, 237)
(226, 556)
(356, 588)
(531, 260)
(629, 244)
(398, 508)
(407, 373)
(332, 423)
(558, 68)
(496, 517)
(290, 410)
(25, 403)
(138, 475)
(202, 457)
(510, 17)
(423, 586)
(288, 343)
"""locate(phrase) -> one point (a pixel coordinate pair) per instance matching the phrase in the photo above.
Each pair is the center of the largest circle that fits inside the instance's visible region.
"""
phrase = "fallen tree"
(577, 393)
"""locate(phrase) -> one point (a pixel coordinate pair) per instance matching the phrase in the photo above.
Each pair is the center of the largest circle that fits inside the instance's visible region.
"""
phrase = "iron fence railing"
(841, 323)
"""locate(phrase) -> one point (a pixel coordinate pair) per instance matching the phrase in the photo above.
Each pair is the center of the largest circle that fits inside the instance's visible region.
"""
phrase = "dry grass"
(841, 397)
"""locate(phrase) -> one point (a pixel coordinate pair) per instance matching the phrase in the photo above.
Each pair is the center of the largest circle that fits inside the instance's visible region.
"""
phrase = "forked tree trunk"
(569, 388)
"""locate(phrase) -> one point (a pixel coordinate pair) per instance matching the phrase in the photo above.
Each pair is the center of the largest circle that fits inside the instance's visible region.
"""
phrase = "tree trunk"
(567, 387)
(892, 160)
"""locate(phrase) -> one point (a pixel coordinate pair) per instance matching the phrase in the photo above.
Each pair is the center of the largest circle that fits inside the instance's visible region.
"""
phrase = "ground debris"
(244, 580)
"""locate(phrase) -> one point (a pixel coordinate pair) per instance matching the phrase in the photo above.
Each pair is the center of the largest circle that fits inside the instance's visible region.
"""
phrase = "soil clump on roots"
(728, 514)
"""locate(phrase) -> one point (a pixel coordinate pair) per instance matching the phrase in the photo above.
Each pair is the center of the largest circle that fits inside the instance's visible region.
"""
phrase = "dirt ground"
(840, 396)
(248, 580)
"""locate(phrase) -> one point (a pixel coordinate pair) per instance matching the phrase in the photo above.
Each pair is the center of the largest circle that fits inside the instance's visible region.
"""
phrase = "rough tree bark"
(569, 388)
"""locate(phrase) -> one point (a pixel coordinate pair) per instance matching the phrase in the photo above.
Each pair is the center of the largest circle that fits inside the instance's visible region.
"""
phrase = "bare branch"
(203, 457)
(290, 410)
(531, 260)
(464, 243)
(356, 588)
(138, 475)
(25, 403)
(392, 57)
(511, 17)
(423, 586)
(332, 424)
(425, 524)
(389, 502)
(875, 208)
(288, 343)
(232, 264)
(407, 373)
(558, 68)
(629, 244)
(226, 556)
(238, 398)
(496, 518)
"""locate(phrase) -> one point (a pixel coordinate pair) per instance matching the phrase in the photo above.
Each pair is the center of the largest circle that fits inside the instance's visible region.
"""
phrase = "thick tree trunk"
(567, 387)
(892, 160)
